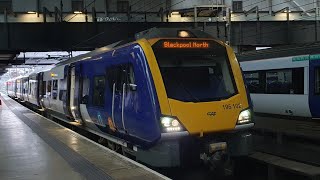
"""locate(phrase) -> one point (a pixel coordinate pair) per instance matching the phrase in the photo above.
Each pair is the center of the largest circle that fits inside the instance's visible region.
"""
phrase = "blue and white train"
(284, 87)
(166, 98)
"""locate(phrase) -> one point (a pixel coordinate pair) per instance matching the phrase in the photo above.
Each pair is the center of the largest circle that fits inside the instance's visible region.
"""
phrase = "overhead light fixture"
(31, 12)
(175, 13)
(77, 12)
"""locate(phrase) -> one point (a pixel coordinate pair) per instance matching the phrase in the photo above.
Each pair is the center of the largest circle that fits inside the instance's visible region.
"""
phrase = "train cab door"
(121, 80)
(75, 93)
(314, 88)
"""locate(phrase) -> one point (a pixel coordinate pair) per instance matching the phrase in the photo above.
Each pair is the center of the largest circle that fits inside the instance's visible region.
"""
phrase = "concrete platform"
(33, 147)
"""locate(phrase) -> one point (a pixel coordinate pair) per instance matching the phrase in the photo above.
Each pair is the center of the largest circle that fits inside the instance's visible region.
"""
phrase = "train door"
(40, 90)
(121, 80)
(314, 88)
(47, 88)
(75, 93)
(84, 92)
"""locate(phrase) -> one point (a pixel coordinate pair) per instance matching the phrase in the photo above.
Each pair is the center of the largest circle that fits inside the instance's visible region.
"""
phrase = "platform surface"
(33, 147)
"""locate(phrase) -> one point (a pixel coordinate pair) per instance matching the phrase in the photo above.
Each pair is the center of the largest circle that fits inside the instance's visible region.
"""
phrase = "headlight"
(244, 117)
(170, 124)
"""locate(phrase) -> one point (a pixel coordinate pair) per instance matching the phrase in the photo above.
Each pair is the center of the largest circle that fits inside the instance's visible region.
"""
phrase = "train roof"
(281, 51)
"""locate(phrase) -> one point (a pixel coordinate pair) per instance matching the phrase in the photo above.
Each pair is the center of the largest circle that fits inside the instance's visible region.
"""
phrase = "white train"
(285, 87)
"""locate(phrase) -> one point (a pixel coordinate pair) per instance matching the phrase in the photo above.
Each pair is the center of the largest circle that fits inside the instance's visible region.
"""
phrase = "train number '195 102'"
(232, 106)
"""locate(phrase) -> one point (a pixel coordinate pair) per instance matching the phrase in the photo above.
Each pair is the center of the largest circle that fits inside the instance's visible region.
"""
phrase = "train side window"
(317, 81)
(99, 90)
(255, 81)
(281, 81)
(54, 89)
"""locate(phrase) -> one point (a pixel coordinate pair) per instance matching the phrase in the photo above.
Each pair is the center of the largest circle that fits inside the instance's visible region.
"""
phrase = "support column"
(270, 7)
(258, 27)
(61, 11)
(38, 8)
(317, 24)
(44, 14)
(5, 15)
(106, 7)
(195, 17)
(288, 25)
(229, 26)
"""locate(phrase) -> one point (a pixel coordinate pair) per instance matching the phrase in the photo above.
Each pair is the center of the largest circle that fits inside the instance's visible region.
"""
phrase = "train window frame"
(220, 54)
(296, 73)
(261, 79)
(120, 74)
(94, 100)
(55, 86)
(315, 80)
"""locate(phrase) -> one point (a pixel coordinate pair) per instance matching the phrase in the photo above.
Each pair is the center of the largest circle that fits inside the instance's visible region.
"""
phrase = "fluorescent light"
(77, 12)
(31, 12)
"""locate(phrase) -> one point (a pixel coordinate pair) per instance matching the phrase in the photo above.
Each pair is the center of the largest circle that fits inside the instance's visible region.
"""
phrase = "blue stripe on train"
(314, 99)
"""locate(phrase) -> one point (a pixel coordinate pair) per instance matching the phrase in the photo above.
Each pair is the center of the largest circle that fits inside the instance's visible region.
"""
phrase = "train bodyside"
(135, 95)
(33, 90)
(285, 87)
(11, 87)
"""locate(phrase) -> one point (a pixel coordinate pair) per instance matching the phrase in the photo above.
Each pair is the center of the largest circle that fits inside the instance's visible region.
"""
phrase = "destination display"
(185, 44)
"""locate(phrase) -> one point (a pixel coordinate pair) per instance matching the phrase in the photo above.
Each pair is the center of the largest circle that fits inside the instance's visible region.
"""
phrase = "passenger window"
(98, 90)
(54, 89)
(255, 82)
(317, 81)
(281, 81)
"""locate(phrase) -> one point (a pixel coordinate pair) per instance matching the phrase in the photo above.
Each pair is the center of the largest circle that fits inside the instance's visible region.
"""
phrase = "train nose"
(207, 117)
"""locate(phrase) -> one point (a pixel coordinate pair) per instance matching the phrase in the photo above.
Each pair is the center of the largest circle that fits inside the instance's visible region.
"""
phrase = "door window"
(85, 90)
(98, 90)
(44, 86)
(119, 75)
(49, 88)
(54, 89)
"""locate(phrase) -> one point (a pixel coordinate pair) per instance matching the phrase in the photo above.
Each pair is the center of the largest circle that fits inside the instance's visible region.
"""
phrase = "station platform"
(33, 147)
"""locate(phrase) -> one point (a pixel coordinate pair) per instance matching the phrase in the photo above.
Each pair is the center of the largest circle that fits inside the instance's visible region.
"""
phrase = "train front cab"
(202, 98)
